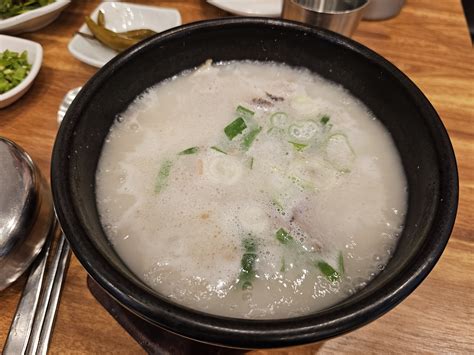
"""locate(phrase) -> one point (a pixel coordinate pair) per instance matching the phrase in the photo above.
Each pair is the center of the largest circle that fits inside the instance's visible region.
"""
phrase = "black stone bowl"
(419, 134)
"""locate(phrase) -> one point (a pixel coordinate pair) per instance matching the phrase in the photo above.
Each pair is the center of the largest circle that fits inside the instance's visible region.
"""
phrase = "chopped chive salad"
(11, 8)
(14, 68)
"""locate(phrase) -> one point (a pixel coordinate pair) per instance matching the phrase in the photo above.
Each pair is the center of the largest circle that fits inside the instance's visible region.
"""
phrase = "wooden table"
(429, 41)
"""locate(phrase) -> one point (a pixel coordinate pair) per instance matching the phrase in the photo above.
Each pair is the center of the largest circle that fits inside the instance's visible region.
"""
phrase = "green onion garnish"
(298, 146)
(325, 119)
(247, 263)
(192, 150)
(250, 137)
(235, 128)
(283, 236)
(328, 271)
(163, 174)
(244, 112)
(217, 149)
(14, 67)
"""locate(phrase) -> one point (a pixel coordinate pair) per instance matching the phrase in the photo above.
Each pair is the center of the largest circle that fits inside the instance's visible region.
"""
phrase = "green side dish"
(10, 8)
(14, 68)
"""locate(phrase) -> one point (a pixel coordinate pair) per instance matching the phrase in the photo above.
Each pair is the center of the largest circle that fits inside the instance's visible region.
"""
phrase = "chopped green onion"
(279, 119)
(328, 271)
(14, 68)
(325, 119)
(192, 150)
(250, 137)
(217, 149)
(340, 261)
(298, 146)
(247, 263)
(283, 236)
(244, 112)
(235, 128)
(163, 174)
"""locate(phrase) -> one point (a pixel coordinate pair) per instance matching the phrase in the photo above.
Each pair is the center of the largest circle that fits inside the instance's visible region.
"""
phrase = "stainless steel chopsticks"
(32, 325)
(46, 314)
(22, 324)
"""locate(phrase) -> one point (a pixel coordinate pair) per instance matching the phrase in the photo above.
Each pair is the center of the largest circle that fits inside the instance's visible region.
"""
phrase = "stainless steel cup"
(340, 16)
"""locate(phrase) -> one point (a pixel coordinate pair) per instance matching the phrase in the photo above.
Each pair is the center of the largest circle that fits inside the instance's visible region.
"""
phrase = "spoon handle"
(20, 329)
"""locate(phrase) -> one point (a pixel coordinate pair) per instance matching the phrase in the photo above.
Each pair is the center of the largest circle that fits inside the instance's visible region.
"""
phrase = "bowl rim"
(244, 333)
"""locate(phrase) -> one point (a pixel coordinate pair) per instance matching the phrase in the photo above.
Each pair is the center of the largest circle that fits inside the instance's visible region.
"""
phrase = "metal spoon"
(26, 212)
(26, 227)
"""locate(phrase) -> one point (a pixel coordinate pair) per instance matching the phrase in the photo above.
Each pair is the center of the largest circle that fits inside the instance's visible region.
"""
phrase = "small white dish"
(33, 20)
(121, 17)
(35, 57)
(265, 8)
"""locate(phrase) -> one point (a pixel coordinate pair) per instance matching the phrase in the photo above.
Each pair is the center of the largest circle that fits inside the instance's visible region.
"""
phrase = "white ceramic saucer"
(121, 17)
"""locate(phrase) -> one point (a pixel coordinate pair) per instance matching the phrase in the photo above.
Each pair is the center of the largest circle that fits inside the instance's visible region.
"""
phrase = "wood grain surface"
(428, 41)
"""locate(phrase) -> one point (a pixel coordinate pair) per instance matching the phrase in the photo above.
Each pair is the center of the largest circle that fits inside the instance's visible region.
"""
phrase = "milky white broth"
(286, 224)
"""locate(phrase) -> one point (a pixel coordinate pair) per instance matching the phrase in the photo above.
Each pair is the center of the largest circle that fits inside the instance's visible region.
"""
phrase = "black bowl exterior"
(419, 135)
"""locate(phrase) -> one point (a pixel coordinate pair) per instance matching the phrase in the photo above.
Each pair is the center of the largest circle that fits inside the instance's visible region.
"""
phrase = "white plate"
(35, 57)
(266, 8)
(121, 17)
(33, 20)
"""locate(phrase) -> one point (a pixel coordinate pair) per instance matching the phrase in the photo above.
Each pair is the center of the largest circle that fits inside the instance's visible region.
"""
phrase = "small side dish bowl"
(35, 58)
(33, 20)
(120, 17)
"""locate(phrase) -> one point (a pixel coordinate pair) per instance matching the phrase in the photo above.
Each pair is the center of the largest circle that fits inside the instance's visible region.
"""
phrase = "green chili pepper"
(109, 38)
(138, 34)
(118, 41)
